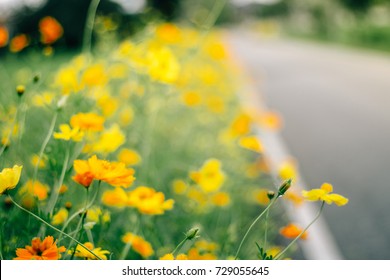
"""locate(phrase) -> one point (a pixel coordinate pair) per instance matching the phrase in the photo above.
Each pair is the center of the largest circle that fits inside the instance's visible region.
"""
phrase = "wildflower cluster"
(141, 139)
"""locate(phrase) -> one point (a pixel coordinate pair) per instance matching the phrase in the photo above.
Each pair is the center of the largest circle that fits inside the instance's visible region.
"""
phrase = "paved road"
(336, 106)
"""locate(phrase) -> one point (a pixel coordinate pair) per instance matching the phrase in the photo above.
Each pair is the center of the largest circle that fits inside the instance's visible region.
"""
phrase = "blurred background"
(324, 65)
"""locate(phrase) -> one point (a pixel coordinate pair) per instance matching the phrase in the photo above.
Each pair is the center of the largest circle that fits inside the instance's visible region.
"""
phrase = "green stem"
(87, 38)
(76, 214)
(52, 227)
(56, 192)
(82, 210)
(44, 144)
(266, 231)
(254, 222)
(178, 247)
(125, 251)
(1, 245)
(303, 231)
(214, 13)
(127, 247)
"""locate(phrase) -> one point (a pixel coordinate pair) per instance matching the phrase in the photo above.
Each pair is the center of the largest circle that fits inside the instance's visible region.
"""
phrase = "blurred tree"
(168, 9)
(71, 14)
(280, 8)
(358, 6)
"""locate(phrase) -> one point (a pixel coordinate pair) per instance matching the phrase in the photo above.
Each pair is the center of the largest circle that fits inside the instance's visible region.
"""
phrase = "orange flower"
(140, 245)
(3, 36)
(51, 30)
(292, 231)
(113, 173)
(148, 201)
(18, 43)
(45, 250)
(87, 121)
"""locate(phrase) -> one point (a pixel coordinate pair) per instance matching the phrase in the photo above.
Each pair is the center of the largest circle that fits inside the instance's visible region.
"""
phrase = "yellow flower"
(324, 194)
(94, 75)
(179, 186)
(271, 120)
(108, 104)
(81, 252)
(96, 214)
(113, 173)
(68, 133)
(194, 254)
(288, 170)
(67, 80)
(294, 197)
(216, 50)
(36, 189)
(274, 251)
(163, 65)
(251, 143)
(203, 245)
(129, 157)
(197, 196)
(115, 198)
(181, 257)
(170, 257)
(35, 159)
(148, 201)
(43, 99)
(221, 199)
(168, 33)
(210, 177)
(241, 125)
(60, 217)
(87, 121)
(191, 98)
(140, 245)
(109, 141)
(126, 116)
(9, 178)
(261, 196)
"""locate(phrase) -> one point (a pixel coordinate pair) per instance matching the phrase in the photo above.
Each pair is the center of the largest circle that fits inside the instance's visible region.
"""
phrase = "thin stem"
(1, 245)
(56, 192)
(82, 210)
(214, 13)
(52, 227)
(44, 144)
(254, 222)
(127, 247)
(125, 251)
(303, 231)
(178, 247)
(266, 231)
(77, 213)
(87, 38)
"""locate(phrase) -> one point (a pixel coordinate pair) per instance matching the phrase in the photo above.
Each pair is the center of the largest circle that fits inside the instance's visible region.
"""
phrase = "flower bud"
(192, 234)
(36, 78)
(20, 89)
(270, 195)
(284, 187)
(68, 205)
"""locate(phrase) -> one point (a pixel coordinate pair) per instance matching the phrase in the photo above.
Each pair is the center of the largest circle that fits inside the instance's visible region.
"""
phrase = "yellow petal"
(338, 199)
(327, 187)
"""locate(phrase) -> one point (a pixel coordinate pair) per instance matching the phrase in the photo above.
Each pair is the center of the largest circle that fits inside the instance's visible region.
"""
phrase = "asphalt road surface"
(336, 106)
